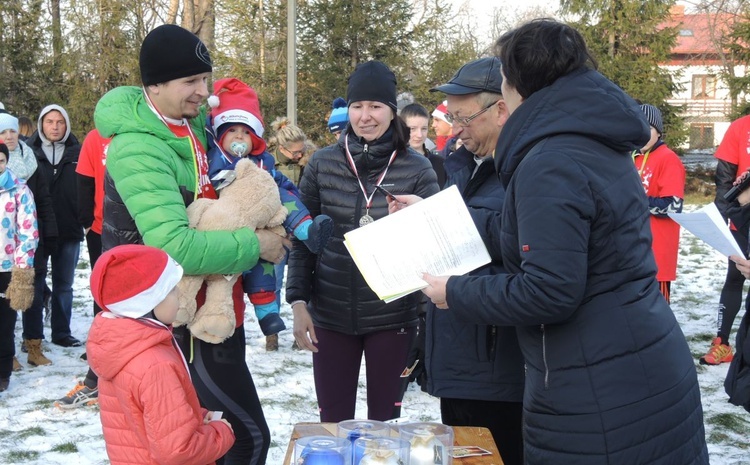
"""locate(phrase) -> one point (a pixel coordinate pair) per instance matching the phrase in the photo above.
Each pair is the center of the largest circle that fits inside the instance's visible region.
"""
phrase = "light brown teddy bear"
(251, 200)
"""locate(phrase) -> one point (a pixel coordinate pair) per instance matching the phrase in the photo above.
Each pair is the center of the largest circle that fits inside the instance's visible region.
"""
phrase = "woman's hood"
(583, 102)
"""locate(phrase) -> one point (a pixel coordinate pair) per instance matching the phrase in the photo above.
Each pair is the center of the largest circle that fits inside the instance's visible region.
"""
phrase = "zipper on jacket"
(544, 358)
(54, 166)
(353, 280)
(491, 342)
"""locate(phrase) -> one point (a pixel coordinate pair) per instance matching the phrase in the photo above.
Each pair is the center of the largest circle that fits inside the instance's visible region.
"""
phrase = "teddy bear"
(251, 200)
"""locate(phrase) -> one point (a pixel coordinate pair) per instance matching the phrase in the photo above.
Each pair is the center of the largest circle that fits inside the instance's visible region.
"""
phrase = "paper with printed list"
(708, 225)
(436, 235)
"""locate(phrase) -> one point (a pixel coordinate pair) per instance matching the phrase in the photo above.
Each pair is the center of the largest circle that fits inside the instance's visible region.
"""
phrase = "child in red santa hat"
(149, 408)
(236, 124)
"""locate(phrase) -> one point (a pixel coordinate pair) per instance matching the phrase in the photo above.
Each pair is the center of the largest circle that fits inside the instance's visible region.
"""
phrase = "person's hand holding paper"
(435, 289)
(708, 225)
(436, 235)
(743, 265)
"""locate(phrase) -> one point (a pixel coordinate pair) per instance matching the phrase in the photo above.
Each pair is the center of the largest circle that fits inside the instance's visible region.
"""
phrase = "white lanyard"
(361, 186)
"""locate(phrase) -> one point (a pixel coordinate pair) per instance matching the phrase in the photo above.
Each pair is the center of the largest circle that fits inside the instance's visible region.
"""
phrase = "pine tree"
(21, 43)
(626, 39)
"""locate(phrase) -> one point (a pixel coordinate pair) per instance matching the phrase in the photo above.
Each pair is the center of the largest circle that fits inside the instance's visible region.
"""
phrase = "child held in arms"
(148, 406)
(237, 126)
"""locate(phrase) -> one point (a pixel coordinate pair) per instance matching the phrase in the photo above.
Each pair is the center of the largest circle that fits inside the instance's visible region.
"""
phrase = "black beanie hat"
(171, 52)
(372, 80)
(4, 149)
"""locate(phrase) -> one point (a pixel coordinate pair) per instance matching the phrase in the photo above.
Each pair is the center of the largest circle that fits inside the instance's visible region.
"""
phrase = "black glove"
(49, 245)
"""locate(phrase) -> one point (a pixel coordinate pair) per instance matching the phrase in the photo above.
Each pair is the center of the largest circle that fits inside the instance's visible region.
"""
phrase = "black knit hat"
(374, 81)
(171, 52)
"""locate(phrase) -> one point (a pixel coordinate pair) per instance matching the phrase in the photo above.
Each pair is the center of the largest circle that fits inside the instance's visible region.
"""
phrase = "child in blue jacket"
(236, 126)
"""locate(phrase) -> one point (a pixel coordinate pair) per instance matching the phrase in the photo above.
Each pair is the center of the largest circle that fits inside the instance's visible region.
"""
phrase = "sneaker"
(79, 396)
(718, 353)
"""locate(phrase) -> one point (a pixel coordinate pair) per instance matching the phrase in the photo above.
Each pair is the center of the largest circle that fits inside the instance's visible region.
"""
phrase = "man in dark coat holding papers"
(477, 369)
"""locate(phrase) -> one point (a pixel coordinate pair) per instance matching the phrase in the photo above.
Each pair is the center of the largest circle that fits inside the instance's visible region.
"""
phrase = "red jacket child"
(149, 409)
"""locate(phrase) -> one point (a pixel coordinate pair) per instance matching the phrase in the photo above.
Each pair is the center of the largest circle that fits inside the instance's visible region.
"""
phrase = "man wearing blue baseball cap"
(477, 370)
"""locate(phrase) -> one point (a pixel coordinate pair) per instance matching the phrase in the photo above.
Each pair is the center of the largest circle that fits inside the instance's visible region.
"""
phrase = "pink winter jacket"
(149, 409)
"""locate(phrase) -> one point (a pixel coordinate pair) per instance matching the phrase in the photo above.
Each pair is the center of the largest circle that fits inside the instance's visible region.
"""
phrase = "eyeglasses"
(466, 120)
(295, 153)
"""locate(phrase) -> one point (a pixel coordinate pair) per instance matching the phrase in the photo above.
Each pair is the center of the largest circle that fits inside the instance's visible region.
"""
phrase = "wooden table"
(463, 436)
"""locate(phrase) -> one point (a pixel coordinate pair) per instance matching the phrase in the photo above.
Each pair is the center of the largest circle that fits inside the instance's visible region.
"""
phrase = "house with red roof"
(697, 64)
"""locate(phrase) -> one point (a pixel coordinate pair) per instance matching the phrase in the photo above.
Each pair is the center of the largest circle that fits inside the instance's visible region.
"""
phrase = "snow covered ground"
(32, 431)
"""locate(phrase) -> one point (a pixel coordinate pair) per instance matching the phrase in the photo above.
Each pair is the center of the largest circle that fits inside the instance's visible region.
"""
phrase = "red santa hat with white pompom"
(234, 102)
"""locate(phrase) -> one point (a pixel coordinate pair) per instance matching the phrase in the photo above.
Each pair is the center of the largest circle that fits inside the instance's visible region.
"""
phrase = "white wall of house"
(706, 100)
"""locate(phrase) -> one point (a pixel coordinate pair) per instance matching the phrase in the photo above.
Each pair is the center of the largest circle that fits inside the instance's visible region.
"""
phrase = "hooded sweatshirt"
(57, 162)
(53, 150)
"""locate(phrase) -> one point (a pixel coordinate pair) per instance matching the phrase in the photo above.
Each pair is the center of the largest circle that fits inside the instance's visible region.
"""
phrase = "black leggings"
(731, 295)
(336, 371)
(223, 382)
(94, 245)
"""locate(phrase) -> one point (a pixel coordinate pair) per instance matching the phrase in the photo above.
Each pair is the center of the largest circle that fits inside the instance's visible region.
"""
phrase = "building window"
(704, 86)
(701, 136)
(686, 32)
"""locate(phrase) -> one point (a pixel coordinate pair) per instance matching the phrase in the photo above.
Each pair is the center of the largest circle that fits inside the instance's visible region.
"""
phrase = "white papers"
(436, 235)
(708, 225)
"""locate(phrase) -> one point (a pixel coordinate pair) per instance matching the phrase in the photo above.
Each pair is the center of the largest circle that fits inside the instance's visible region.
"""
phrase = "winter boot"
(272, 343)
(16, 364)
(36, 357)
(4, 382)
(271, 324)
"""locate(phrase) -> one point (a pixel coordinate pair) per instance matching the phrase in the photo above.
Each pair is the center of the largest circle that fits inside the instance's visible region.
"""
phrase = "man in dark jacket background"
(56, 150)
(475, 369)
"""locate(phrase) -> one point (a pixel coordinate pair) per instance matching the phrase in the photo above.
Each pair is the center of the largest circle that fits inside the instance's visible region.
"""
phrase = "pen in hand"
(390, 196)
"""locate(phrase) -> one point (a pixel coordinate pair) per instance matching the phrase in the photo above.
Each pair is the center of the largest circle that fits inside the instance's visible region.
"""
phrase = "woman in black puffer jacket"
(336, 315)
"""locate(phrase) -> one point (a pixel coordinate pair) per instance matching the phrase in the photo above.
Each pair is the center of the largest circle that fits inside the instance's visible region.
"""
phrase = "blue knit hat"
(8, 121)
(339, 116)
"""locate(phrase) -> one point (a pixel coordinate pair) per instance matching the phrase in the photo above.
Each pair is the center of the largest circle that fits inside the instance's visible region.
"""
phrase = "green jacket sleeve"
(150, 176)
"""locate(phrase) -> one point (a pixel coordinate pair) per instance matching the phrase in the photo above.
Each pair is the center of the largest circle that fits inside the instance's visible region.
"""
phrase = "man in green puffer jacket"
(156, 166)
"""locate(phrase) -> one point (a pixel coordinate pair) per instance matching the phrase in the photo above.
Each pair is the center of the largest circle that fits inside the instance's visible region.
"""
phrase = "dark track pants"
(223, 382)
(336, 371)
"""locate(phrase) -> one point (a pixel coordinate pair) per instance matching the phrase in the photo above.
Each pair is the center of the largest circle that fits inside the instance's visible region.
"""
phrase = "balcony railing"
(705, 107)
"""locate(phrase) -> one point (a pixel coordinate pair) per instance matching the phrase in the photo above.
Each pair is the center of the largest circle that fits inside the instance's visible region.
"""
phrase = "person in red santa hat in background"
(443, 128)
(236, 124)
